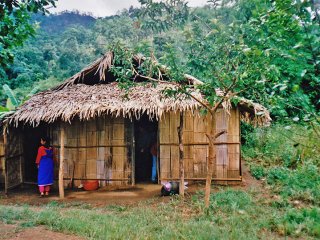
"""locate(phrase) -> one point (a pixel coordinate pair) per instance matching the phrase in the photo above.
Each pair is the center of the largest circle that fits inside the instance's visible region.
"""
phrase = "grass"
(233, 214)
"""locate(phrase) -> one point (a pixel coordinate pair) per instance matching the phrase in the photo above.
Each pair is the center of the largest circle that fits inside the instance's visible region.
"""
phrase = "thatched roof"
(93, 92)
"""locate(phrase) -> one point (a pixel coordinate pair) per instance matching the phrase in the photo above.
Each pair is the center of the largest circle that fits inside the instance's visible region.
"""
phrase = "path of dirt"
(125, 195)
(104, 196)
(247, 180)
(14, 232)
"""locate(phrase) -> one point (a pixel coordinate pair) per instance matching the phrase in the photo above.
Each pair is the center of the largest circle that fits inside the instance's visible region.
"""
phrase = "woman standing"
(154, 153)
(45, 165)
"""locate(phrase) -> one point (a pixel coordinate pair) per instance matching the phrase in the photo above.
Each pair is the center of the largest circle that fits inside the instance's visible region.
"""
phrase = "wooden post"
(133, 156)
(61, 186)
(181, 160)
(5, 160)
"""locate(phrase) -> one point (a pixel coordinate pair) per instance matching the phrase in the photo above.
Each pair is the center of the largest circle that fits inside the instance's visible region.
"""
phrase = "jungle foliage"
(272, 45)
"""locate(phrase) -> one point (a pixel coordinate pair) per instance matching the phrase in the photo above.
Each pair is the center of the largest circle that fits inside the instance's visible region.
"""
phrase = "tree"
(223, 58)
(15, 26)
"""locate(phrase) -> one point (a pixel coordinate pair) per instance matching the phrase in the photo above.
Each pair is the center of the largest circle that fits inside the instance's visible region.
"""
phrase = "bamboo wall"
(103, 149)
(196, 145)
(11, 159)
(96, 149)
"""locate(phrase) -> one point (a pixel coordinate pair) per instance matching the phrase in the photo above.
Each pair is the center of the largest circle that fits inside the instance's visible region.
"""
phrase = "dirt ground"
(13, 232)
(28, 194)
(125, 195)
(103, 196)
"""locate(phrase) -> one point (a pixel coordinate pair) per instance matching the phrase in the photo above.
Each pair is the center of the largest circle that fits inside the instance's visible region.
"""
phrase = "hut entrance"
(31, 143)
(145, 136)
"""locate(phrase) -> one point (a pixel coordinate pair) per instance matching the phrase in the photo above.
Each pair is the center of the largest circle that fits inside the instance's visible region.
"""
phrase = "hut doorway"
(145, 135)
(31, 143)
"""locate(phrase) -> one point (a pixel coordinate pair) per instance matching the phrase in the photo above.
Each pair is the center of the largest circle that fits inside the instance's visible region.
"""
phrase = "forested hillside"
(284, 53)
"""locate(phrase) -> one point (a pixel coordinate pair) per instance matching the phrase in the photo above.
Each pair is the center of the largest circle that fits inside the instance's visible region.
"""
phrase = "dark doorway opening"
(145, 134)
(31, 143)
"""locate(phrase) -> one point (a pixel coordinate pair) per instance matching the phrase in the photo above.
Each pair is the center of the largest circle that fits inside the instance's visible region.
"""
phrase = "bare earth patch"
(116, 195)
(11, 232)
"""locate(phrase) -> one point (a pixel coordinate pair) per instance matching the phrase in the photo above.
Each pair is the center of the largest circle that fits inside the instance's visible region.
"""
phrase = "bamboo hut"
(97, 129)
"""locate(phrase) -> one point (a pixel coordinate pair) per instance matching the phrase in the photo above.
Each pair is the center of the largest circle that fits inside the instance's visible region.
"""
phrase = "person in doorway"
(154, 153)
(45, 166)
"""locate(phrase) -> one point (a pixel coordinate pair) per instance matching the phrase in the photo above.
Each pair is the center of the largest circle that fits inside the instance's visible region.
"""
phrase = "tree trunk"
(5, 169)
(181, 161)
(210, 162)
(61, 187)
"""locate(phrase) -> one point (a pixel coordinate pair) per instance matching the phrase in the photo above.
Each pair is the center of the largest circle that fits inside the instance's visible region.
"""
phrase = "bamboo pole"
(61, 187)
(181, 160)
(6, 185)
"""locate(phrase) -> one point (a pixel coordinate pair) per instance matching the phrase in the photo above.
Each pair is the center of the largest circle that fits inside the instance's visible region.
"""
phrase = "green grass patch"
(297, 222)
(302, 183)
(233, 214)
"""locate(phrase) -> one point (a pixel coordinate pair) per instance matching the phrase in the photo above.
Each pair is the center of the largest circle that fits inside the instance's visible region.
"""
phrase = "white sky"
(102, 8)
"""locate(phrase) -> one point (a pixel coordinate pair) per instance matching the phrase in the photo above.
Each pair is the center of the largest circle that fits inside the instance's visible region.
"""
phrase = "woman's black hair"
(47, 140)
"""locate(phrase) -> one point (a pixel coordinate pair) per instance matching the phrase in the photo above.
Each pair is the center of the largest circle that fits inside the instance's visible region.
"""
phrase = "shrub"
(277, 174)
(297, 221)
(280, 145)
(257, 171)
(302, 183)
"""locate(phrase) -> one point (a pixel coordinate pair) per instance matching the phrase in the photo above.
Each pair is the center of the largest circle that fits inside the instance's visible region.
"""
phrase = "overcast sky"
(102, 8)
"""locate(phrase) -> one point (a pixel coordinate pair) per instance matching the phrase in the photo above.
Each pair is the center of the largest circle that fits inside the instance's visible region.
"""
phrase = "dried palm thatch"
(89, 94)
(88, 102)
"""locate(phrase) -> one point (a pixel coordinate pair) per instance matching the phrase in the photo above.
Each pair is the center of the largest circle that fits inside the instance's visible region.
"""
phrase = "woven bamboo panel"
(14, 158)
(174, 150)
(82, 156)
(234, 149)
(79, 172)
(129, 132)
(195, 155)
(165, 150)
(118, 149)
(92, 153)
(174, 124)
(91, 135)
(102, 148)
(188, 161)
(188, 138)
(200, 161)
(54, 133)
(174, 155)
(101, 171)
(82, 134)
(91, 168)
(196, 144)
(222, 160)
(165, 161)
(200, 129)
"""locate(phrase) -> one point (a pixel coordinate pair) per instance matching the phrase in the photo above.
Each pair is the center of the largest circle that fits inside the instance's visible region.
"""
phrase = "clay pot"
(90, 185)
